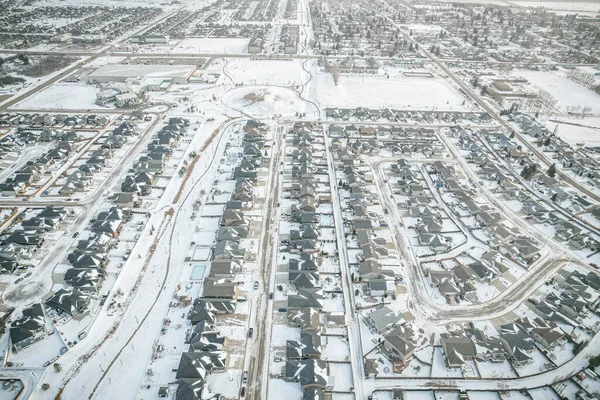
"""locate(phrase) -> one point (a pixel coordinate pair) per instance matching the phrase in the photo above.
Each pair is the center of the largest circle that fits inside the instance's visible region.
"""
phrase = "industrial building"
(120, 73)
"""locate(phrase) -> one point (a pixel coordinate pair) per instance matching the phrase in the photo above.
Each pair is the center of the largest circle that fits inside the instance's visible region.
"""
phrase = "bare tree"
(335, 73)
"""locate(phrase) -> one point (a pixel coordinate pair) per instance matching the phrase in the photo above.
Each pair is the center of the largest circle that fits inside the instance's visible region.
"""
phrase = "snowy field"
(564, 90)
(262, 72)
(212, 45)
(368, 91)
(563, 7)
(586, 130)
(63, 96)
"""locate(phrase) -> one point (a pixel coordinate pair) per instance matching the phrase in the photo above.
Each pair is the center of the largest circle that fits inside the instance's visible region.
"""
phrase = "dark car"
(250, 332)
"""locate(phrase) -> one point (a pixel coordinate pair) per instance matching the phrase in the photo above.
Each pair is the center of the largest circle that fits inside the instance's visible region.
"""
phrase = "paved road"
(352, 320)
(258, 370)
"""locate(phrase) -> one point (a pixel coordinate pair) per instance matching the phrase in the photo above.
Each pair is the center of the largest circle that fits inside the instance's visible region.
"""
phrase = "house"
(400, 344)
(228, 250)
(24, 238)
(546, 336)
(311, 374)
(190, 366)
(307, 319)
(218, 288)
(205, 337)
(71, 302)
(304, 279)
(383, 319)
(223, 268)
(306, 298)
(190, 389)
(457, 350)
(28, 329)
(309, 346)
(84, 279)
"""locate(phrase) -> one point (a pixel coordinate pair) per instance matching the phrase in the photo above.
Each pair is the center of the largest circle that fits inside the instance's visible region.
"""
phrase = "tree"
(528, 172)
(547, 141)
(552, 170)
(335, 73)
(512, 135)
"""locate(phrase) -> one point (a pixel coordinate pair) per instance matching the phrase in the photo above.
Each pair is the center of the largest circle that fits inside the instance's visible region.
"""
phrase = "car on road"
(49, 362)
(243, 392)
(27, 275)
(19, 280)
(63, 350)
(76, 234)
(271, 296)
(250, 332)
(255, 284)
(245, 377)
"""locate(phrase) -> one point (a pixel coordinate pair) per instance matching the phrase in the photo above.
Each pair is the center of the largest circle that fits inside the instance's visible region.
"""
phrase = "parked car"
(243, 392)
(19, 280)
(49, 362)
(76, 234)
(27, 275)
(250, 332)
(245, 377)
(271, 296)
(63, 350)
(255, 284)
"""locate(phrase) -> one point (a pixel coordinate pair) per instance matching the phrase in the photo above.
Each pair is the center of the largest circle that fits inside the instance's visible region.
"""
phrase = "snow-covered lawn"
(280, 389)
(63, 96)
(377, 91)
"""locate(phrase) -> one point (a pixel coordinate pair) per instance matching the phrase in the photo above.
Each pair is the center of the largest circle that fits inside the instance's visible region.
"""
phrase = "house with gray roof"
(309, 346)
(310, 373)
(457, 350)
(383, 319)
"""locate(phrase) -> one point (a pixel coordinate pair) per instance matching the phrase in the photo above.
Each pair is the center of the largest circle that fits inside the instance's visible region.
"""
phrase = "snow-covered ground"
(212, 45)
(377, 91)
(263, 72)
(564, 90)
(563, 7)
(63, 96)
(576, 130)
